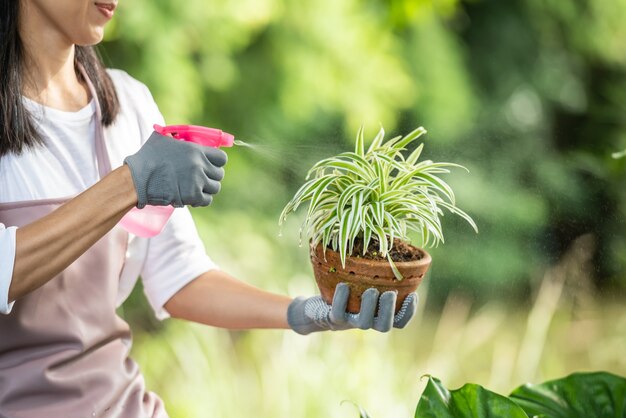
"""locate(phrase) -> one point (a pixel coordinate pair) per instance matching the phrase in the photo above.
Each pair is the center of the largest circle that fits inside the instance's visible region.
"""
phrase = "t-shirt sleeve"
(175, 257)
(7, 260)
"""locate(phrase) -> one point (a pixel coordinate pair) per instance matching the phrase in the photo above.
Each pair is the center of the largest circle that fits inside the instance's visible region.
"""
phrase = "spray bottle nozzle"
(209, 137)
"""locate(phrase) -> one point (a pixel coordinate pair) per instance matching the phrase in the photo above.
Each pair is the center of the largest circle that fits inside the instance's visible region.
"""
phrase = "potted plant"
(362, 205)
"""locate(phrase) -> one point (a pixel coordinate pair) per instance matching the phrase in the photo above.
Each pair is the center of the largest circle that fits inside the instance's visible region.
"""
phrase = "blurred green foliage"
(204, 372)
(529, 95)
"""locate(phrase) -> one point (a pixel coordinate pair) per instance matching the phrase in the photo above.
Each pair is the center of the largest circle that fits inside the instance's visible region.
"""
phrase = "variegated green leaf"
(402, 143)
(379, 212)
(344, 227)
(360, 143)
(347, 195)
(358, 159)
(382, 240)
(320, 193)
(350, 168)
(461, 213)
(412, 158)
(378, 139)
(395, 270)
(367, 229)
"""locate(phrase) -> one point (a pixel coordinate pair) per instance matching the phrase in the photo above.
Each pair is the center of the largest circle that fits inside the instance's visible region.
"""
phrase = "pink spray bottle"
(150, 220)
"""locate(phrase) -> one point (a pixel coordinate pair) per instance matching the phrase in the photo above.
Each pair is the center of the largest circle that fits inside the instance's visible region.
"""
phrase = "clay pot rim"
(425, 260)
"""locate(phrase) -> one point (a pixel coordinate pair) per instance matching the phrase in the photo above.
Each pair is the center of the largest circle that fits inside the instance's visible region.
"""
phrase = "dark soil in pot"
(369, 270)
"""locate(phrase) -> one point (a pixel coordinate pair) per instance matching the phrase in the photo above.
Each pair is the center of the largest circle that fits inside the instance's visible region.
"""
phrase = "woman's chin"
(94, 37)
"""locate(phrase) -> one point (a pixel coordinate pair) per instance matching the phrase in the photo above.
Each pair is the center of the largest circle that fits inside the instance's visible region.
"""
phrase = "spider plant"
(378, 194)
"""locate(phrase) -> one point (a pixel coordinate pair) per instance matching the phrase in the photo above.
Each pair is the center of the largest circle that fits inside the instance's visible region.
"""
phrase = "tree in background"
(530, 95)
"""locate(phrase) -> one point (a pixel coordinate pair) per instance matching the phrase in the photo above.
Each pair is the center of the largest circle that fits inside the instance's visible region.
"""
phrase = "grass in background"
(201, 372)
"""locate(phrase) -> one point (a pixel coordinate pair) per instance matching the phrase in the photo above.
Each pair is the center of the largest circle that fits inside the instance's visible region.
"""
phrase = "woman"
(73, 160)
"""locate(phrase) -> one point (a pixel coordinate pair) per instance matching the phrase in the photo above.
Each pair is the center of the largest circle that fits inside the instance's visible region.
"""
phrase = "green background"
(529, 95)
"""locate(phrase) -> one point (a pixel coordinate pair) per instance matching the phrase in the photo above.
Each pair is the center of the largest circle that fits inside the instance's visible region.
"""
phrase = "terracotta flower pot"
(362, 273)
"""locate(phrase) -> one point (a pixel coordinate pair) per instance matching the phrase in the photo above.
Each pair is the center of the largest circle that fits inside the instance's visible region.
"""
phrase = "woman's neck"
(53, 82)
(49, 74)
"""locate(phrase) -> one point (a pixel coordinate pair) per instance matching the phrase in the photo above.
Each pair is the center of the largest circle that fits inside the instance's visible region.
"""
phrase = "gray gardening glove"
(306, 315)
(170, 172)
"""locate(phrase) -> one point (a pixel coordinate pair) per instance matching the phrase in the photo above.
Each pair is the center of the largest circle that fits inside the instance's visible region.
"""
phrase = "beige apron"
(63, 349)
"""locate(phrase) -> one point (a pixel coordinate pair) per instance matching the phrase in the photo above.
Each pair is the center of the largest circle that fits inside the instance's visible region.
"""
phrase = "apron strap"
(102, 156)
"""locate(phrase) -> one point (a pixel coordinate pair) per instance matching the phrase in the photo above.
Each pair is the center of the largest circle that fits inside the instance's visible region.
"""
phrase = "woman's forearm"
(47, 246)
(218, 299)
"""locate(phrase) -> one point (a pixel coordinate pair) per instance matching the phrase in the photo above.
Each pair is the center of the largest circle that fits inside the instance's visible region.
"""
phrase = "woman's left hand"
(306, 315)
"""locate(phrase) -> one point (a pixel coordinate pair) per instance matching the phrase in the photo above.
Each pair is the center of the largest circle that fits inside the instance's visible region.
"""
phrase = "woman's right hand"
(167, 172)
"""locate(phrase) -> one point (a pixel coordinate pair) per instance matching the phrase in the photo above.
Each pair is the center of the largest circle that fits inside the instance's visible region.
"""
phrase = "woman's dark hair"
(17, 127)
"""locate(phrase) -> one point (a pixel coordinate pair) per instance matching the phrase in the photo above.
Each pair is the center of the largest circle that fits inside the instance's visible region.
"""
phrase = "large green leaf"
(597, 395)
(470, 401)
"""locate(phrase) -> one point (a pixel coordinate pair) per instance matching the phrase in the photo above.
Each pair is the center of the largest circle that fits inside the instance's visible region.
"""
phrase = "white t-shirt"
(67, 165)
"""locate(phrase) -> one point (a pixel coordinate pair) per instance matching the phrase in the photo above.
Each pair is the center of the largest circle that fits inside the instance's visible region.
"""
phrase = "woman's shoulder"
(134, 97)
(138, 113)
(126, 85)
